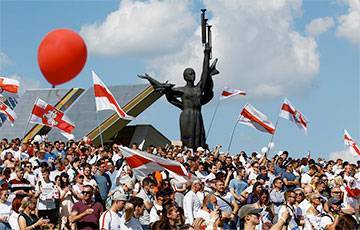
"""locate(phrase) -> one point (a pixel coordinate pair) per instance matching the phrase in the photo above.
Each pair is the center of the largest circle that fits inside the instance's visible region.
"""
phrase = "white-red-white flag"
(11, 115)
(146, 163)
(46, 114)
(230, 92)
(289, 112)
(348, 141)
(254, 118)
(105, 100)
(9, 85)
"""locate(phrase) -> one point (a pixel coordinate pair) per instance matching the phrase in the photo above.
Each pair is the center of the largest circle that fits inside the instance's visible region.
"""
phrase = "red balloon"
(61, 56)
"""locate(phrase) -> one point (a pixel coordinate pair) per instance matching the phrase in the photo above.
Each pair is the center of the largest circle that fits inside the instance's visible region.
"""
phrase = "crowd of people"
(75, 185)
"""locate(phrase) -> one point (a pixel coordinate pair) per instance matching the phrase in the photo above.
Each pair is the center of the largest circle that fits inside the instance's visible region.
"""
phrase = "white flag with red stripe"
(105, 100)
(11, 115)
(254, 118)
(348, 141)
(9, 85)
(289, 112)
(46, 114)
(230, 92)
(146, 163)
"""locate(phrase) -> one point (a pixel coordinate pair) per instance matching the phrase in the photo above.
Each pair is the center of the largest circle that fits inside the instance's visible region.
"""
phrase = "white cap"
(119, 196)
(200, 149)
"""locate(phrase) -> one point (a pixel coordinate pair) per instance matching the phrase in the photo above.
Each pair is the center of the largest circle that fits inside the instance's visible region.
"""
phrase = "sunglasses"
(87, 192)
(299, 194)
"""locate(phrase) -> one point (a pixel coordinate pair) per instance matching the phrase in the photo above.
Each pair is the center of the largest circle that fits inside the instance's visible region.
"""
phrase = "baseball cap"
(334, 200)
(314, 196)
(200, 149)
(247, 210)
(119, 196)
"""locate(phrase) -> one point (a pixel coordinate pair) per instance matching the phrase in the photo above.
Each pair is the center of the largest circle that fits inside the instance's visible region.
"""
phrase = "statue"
(191, 97)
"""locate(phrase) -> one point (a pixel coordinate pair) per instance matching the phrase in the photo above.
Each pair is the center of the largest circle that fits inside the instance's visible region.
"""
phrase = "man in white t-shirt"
(5, 209)
(191, 202)
(111, 219)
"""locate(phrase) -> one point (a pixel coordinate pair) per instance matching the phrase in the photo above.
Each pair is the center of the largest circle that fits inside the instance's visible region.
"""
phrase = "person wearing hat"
(111, 218)
(312, 215)
(330, 217)
(249, 216)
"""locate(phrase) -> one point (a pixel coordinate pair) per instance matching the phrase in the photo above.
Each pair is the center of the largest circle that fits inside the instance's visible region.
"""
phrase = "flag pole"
(232, 135)
(272, 136)
(28, 121)
(212, 119)
(99, 129)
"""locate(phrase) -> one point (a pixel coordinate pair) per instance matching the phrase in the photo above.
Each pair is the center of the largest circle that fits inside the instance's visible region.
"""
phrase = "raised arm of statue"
(203, 83)
(158, 86)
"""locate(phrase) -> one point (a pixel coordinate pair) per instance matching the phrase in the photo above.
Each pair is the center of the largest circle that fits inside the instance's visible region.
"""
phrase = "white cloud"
(4, 60)
(350, 23)
(25, 83)
(346, 155)
(141, 27)
(255, 41)
(258, 49)
(319, 26)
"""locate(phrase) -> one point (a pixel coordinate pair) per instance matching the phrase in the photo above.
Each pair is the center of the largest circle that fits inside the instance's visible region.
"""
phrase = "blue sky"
(307, 51)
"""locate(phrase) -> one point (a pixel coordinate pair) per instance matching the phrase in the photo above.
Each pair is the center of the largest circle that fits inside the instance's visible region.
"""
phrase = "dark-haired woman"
(169, 219)
(254, 196)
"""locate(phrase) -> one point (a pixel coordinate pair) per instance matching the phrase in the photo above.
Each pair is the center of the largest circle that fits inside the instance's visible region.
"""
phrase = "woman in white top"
(209, 211)
(66, 201)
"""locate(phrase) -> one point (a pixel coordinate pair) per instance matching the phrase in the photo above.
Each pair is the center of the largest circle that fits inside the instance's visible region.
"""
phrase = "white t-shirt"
(110, 220)
(132, 224)
(191, 205)
(21, 155)
(325, 221)
(5, 209)
(305, 178)
(91, 182)
(207, 217)
(154, 213)
(31, 178)
(47, 195)
(13, 221)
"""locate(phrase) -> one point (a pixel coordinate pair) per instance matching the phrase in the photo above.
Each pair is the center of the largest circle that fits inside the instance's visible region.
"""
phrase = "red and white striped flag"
(289, 112)
(348, 141)
(11, 115)
(254, 118)
(146, 163)
(46, 114)
(230, 92)
(9, 85)
(105, 100)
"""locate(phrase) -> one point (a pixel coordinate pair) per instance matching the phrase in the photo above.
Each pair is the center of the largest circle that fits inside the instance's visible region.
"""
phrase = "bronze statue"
(191, 97)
